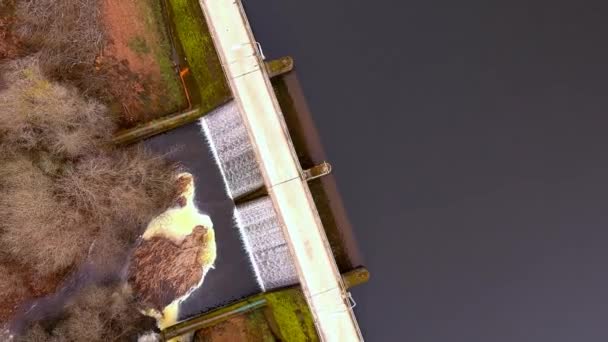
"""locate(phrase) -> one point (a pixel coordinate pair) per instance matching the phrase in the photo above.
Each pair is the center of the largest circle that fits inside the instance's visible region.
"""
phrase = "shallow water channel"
(233, 277)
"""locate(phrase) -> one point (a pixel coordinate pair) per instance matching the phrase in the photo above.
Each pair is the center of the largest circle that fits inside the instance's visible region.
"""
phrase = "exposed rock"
(162, 270)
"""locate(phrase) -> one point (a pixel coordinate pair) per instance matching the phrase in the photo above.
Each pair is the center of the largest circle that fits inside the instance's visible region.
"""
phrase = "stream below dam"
(233, 277)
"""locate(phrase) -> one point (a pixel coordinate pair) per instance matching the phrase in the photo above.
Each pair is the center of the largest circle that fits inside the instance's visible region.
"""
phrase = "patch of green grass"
(174, 97)
(171, 81)
(292, 315)
(138, 45)
(194, 36)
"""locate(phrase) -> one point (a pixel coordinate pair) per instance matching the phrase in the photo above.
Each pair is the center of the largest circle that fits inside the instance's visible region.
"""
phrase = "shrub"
(129, 186)
(99, 205)
(64, 193)
(67, 36)
(12, 291)
(11, 283)
(36, 229)
(95, 314)
(38, 115)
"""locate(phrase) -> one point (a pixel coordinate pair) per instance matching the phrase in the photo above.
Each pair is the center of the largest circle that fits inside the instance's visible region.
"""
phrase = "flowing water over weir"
(233, 152)
(257, 220)
(261, 232)
(252, 251)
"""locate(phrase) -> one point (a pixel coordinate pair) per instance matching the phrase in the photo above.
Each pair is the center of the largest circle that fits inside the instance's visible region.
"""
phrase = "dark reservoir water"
(468, 140)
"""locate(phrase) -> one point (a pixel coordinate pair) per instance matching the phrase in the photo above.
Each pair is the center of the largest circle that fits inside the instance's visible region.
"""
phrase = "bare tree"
(95, 314)
(62, 187)
(67, 35)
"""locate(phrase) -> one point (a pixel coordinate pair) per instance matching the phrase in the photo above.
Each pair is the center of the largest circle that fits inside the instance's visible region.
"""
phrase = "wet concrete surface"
(233, 277)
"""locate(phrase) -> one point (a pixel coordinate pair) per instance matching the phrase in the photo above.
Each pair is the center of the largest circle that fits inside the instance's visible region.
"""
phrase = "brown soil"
(9, 44)
(134, 84)
(162, 271)
(129, 58)
(234, 329)
(123, 24)
(126, 90)
(249, 328)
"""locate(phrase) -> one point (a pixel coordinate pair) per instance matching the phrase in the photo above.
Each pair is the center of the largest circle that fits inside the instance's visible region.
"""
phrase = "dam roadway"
(317, 270)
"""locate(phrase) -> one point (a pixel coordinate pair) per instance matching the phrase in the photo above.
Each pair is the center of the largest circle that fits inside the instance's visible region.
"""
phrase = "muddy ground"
(137, 60)
(140, 57)
(247, 327)
(10, 46)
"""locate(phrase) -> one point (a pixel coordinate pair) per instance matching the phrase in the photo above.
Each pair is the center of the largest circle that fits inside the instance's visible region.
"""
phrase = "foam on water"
(233, 152)
(263, 238)
(257, 220)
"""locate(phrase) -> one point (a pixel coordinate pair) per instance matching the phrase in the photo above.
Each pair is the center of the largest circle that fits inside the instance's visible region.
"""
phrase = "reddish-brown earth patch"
(123, 24)
(234, 329)
(9, 44)
(131, 57)
(20, 285)
(162, 271)
(135, 67)
(250, 327)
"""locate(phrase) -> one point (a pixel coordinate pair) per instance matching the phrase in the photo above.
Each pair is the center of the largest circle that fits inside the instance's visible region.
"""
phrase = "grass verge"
(193, 34)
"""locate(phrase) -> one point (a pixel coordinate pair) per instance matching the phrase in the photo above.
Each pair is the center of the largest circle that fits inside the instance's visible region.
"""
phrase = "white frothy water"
(263, 238)
(257, 220)
(233, 152)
